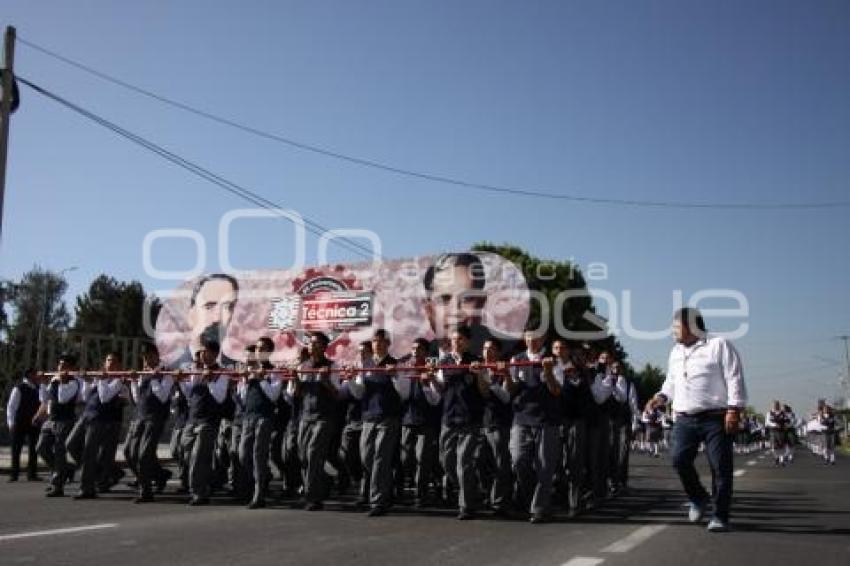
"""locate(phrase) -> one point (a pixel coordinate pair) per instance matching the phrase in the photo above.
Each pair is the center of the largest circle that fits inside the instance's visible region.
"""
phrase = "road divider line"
(634, 539)
(584, 561)
(752, 463)
(739, 473)
(65, 531)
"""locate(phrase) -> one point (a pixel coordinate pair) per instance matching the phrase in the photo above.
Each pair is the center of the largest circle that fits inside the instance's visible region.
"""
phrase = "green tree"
(38, 316)
(115, 308)
(551, 277)
(649, 381)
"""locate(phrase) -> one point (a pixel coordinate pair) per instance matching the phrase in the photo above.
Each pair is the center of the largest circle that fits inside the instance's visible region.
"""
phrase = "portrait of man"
(455, 296)
(211, 306)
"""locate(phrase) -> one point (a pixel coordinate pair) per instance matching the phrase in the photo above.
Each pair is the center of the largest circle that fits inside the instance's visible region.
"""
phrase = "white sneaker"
(718, 526)
(696, 512)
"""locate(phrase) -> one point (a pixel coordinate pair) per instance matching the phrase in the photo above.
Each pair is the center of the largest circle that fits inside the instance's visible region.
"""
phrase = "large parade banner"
(412, 298)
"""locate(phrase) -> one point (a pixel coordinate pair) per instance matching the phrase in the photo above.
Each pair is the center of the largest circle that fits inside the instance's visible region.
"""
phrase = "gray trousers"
(254, 446)
(575, 447)
(314, 440)
(499, 440)
(457, 451)
(93, 455)
(349, 450)
(420, 455)
(51, 448)
(198, 442)
(378, 442)
(131, 447)
(293, 473)
(535, 451)
(148, 433)
(176, 448)
(598, 447)
(621, 438)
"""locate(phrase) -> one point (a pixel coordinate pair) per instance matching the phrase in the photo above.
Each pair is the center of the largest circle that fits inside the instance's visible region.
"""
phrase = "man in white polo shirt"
(705, 383)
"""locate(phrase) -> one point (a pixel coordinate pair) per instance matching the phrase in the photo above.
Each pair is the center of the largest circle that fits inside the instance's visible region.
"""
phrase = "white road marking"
(752, 463)
(583, 561)
(634, 539)
(68, 530)
(739, 473)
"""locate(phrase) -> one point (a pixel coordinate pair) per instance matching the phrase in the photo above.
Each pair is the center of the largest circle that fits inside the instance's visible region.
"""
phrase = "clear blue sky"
(695, 101)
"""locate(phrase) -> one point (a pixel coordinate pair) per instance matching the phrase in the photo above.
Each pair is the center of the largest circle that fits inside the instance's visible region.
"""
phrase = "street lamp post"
(44, 314)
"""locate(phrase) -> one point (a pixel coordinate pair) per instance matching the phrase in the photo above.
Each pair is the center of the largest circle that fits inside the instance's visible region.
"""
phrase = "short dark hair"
(251, 348)
(691, 319)
(422, 342)
(149, 348)
(496, 343)
(210, 344)
(382, 334)
(114, 353)
(321, 337)
(266, 344)
(446, 261)
(68, 358)
(463, 330)
(199, 284)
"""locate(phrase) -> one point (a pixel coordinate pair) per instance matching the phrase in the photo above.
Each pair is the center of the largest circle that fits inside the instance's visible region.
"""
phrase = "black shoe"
(86, 495)
(377, 512)
(502, 512)
(257, 504)
(12, 479)
(314, 506)
(146, 498)
(196, 501)
(54, 493)
(361, 503)
(133, 484)
(466, 515)
(162, 481)
(34, 478)
(538, 518)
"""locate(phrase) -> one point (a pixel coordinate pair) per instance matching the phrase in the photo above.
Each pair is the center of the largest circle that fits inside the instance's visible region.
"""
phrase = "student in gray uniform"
(420, 432)
(151, 392)
(535, 435)
(599, 427)
(318, 392)
(498, 418)
(381, 395)
(259, 391)
(24, 401)
(463, 393)
(100, 425)
(205, 392)
(577, 402)
(624, 409)
(60, 405)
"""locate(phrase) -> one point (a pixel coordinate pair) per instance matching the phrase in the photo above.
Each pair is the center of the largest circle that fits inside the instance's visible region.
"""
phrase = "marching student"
(293, 469)
(24, 401)
(180, 414)
(535, 435)
(259, 391)
(381, 395)
(318, 392)
(151, 392)
(351, 413)
(463, 393)
(498, 419)
(60, 406)
(420, 430)
(599, 426)
(705, 383)
(777, 421)
(94, 448)
(791, 433)
(205, 392)
(624, 409)
(653, 419)
(826, 420)
(577, 401)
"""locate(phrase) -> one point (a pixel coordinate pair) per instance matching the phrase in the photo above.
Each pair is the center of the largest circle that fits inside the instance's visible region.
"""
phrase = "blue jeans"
(688, 432)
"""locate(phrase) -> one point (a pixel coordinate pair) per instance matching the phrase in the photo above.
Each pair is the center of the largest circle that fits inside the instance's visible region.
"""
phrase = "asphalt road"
(794, 515)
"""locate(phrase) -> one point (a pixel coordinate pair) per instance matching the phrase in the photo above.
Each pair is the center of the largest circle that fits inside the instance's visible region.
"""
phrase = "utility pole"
(846, 381)
(6, 109)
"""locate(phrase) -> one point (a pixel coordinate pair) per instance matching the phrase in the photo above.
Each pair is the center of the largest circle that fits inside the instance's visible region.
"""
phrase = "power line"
(426, 176)
(196, 169)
